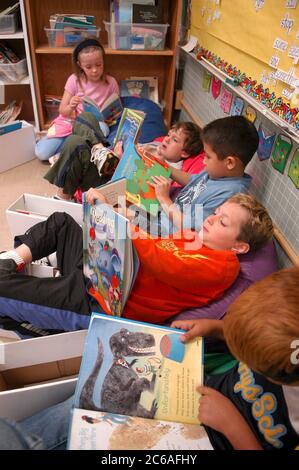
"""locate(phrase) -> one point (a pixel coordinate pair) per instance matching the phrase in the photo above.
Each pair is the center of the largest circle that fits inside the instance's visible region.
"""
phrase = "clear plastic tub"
(10, 73)
(69, 36)
(8, 24)
(52, 110)
(136, 36)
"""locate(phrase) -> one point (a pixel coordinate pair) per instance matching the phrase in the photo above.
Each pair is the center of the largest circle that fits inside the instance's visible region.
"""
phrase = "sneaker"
(53, 160)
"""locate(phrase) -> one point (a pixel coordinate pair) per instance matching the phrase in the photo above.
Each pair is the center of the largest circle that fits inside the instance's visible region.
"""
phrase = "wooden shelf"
(45, 49)
(52, 65)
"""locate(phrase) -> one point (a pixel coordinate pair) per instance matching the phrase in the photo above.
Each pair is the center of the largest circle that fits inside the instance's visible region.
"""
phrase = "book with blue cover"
(109, 259)
(137, 88)
(110, 110)
(10, 127)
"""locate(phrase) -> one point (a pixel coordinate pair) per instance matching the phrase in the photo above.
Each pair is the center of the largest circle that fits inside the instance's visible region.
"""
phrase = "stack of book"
(67, 29)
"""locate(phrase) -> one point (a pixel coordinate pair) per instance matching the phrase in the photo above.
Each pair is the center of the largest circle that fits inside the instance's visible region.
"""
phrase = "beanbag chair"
(254, 266)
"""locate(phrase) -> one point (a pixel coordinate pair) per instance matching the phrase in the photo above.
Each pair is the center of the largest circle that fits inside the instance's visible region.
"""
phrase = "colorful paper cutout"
(206, 80)
(265, 144)
(216, 87)
(237, 106)
(226, 100)
(281, 152)
(294, 169)
(250, 113)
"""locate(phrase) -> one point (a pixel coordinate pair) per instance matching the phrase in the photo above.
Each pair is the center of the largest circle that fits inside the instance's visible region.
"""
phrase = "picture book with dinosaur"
(138, 165)
(136, 369)
(111, 109)
(109, 259)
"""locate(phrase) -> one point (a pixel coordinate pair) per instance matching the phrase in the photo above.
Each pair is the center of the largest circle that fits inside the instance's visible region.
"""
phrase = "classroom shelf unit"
(52, 65)
(23, 89)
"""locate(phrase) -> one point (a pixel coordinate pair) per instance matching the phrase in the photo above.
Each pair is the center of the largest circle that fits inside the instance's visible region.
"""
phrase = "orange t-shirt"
(176, 274)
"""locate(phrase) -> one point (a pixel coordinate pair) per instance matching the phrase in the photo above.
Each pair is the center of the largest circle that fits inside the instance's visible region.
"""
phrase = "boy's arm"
(219, 413)
(162, 187)
(181, 177)
(202, 327)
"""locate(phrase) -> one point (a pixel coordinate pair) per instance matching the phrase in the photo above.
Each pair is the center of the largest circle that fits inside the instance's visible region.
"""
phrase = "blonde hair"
(258, 229)
(263, 323)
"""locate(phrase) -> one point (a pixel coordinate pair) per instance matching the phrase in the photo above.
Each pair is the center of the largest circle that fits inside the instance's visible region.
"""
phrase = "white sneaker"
(53, 159)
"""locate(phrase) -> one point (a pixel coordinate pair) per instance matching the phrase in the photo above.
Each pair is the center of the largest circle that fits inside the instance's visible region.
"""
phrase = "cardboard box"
(17, 147)
(27, 363)
(22, 403)
(29, 209)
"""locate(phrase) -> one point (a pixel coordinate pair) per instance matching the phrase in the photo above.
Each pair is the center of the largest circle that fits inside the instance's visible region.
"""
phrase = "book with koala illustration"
(109, 259)
(135, 369)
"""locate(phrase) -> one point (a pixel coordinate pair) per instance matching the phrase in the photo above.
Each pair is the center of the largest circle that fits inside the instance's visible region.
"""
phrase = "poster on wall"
(294, 169)
(237, 106)
(250, 114)
(206, 80)
(281, 152)
(226, 100)
(216, 87)
(266, 141)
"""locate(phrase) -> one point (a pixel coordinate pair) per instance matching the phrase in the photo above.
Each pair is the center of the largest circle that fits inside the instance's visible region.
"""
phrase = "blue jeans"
(46, 430)
(48, 146)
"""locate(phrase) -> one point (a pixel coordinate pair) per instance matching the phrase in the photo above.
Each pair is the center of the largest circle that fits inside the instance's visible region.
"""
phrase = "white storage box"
(8, 24)
(11, 73)
(136, 36)
(33, 372)
(17, 147)
(30, 209)
(24, 402)
(69, 37)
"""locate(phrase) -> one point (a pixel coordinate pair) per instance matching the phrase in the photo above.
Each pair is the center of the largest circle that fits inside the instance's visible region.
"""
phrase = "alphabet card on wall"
(216, 87)
(281, 152)
(206, 80)
(226, 100)
(237, 106)
(294, 169)
(250, 114)
(266, 141)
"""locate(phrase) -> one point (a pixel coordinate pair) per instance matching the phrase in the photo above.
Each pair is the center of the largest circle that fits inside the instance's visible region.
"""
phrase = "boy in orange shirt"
(174, 274)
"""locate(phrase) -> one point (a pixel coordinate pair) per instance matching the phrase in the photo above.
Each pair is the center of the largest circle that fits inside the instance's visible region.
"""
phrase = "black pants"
(58, 233)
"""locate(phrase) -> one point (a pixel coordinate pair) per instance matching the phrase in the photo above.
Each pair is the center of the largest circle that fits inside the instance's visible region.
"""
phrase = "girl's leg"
(47, 147)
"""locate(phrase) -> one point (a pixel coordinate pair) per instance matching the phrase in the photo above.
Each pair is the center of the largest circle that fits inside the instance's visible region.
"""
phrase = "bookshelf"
(22, 90)
(52, 65)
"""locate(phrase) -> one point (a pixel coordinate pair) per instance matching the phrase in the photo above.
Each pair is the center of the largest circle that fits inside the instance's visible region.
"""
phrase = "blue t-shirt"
(198, 199)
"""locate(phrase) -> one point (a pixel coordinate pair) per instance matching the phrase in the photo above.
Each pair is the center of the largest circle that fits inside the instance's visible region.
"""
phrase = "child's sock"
(12, 254)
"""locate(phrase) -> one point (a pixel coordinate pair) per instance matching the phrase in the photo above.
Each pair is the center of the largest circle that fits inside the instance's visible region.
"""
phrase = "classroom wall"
(275, 190)
(259, 37)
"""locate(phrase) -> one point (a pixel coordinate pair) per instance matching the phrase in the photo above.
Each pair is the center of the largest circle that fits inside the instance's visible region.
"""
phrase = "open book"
(138, 166)
(109, 259)
(131, 375)
(108, 112)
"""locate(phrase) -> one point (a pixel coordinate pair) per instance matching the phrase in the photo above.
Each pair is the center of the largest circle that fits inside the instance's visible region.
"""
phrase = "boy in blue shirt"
(229, 145)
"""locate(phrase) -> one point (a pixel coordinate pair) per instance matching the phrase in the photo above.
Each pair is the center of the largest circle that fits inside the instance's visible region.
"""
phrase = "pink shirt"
(99, 91)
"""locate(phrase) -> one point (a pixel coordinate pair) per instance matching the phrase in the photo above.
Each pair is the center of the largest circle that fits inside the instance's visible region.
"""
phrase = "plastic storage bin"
(13, 72)
(8, 24)
(52, 110)
(69, 37)
(136, 36)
